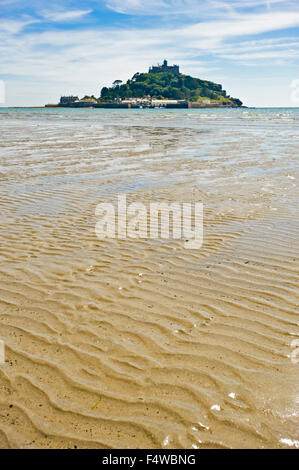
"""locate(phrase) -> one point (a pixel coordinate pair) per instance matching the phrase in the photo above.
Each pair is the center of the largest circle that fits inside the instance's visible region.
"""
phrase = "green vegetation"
(88, 97)
(166, 85)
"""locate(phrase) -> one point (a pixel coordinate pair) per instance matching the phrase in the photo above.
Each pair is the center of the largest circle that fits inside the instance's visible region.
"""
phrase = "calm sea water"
(99, 152)
(34, 141)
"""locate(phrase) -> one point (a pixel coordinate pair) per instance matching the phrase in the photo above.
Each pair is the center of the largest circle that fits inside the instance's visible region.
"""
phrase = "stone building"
(68, 100)
(165, 68)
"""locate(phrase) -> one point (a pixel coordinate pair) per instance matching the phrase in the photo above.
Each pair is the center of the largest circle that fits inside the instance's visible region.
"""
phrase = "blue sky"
(48, 49)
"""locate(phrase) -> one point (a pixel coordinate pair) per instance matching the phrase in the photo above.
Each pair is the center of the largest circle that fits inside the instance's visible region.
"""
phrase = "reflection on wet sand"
(142, 343)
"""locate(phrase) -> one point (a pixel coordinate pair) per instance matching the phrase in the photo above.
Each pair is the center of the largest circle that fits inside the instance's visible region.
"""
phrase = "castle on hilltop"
(165, 68)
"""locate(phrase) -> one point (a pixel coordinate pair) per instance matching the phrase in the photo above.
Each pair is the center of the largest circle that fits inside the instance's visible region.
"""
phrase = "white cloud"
(162, 7)
(285, 55)
(65, 15)
(243, 25)
(15, 26)
(67, 51)
(197, 8)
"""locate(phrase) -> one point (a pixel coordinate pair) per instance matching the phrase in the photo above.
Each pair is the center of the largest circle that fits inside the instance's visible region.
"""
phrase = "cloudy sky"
(48, 49)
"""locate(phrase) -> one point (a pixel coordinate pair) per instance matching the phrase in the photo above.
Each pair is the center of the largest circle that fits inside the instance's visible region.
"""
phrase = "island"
(163, 86)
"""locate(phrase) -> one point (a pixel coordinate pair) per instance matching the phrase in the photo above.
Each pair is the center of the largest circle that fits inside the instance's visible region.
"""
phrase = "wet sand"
(143, 343)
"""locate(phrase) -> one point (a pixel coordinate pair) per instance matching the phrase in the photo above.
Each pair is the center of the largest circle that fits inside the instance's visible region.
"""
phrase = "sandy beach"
(143, 343)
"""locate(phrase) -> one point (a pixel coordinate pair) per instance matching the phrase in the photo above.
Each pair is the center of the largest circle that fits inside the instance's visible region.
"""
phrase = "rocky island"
(163, 86)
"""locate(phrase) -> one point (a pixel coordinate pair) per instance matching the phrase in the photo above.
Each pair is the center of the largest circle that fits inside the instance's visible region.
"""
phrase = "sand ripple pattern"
(123, 343)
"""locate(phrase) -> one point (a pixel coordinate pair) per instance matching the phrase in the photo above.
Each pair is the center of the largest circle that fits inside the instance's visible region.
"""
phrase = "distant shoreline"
(125, 107)
(211, 107)
(186, 105)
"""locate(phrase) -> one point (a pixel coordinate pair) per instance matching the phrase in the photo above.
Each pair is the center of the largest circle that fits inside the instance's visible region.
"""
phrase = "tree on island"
(116, 83)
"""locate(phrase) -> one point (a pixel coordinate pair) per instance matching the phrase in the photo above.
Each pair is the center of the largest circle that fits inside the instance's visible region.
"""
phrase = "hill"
(168, 85)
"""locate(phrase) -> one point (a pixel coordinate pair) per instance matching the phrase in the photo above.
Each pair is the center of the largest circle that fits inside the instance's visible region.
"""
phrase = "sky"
(71, 47)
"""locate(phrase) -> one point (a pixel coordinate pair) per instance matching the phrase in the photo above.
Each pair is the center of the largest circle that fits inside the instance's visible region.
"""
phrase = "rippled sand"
(142, 343)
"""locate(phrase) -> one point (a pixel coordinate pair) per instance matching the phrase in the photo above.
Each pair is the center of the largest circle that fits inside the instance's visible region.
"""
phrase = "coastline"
(189, 105)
